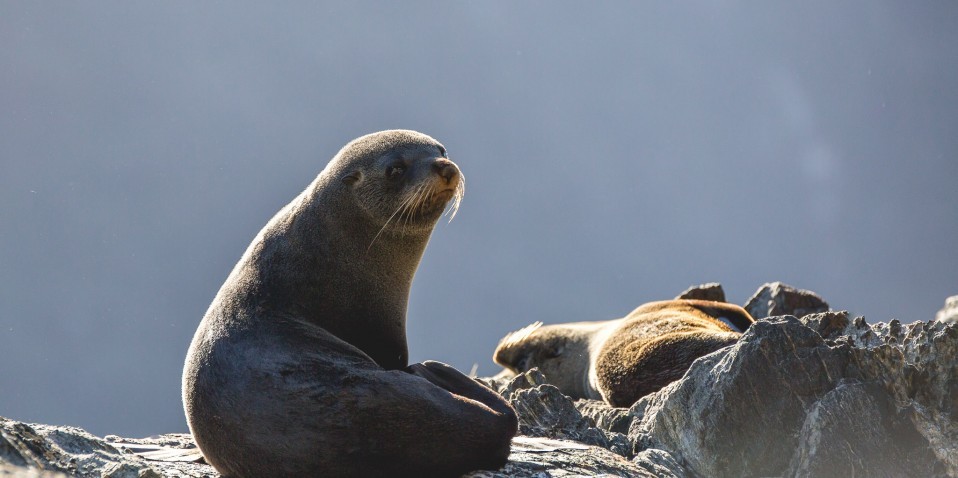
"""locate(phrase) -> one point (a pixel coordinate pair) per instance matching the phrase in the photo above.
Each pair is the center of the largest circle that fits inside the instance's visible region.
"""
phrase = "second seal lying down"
(621, 360)
(299, 367)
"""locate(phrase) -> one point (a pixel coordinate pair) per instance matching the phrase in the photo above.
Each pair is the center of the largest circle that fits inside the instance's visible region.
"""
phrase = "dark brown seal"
(621, 360)
(299, 367)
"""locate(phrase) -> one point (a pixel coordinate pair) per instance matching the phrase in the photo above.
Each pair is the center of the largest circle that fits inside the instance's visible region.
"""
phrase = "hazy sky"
(613, 154)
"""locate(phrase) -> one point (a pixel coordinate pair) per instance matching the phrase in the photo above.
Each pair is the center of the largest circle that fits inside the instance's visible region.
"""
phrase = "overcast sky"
(614, 154)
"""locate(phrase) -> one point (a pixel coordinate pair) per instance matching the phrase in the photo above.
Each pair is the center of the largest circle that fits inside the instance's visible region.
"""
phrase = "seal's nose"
(445, 169)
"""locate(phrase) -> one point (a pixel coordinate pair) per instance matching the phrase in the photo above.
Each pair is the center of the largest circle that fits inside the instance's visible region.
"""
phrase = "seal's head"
(403, 180)
(560, 352)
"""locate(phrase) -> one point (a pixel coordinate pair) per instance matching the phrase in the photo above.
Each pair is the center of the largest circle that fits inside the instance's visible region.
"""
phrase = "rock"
(818, 396)
(856, 430)
(660, 463)
(949, 313)
(829, 325)
(709, 291)
(10, 471)
(70, 451)
(497, 383)
(545, 412)
(530, 379)
(606, 417)
(776, 298)
(733, 412)
(786, 401)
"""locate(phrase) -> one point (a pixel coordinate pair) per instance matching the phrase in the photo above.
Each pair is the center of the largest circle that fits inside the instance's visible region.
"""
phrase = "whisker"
(457, 198)
(413, 205)
(386, 224)
(422, 195)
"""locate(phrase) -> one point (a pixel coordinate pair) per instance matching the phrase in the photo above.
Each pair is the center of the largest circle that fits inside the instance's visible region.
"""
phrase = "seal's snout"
(446, 169)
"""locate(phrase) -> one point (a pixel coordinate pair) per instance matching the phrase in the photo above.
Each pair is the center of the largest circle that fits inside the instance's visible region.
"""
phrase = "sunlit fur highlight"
(417, 201)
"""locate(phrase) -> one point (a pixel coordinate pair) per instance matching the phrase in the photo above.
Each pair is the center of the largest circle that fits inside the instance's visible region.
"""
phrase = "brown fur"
(622, 360)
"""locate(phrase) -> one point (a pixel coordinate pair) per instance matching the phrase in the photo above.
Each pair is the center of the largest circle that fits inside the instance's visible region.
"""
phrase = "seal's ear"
(352, 178)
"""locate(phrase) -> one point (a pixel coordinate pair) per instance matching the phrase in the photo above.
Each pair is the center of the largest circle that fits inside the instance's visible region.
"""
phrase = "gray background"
(613, 155)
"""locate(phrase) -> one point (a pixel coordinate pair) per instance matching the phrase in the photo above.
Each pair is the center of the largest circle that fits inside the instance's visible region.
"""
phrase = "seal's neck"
(582, 343)
(322, 265)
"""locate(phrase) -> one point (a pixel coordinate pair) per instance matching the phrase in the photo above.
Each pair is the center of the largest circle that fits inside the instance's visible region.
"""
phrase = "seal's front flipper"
(448, 378)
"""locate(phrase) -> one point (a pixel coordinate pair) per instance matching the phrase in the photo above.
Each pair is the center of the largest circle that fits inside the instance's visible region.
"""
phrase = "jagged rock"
(819, 396)
(709, 291)
(776, 298)
(727, 416)
(545, 412)
(948, 313)
(828, 324)
(784, 401)
(605, 416)
(41, 451)
(68, 450)
(529, 379)
(918, 365)
(843, 430)
(660, 463)
(497, 383)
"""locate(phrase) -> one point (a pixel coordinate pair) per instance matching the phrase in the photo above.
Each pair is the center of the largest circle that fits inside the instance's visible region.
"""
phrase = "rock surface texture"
(776, 298)
(711, 291)
(818, 395)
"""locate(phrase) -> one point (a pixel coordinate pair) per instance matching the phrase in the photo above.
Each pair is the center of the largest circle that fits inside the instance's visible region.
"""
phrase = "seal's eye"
(442, 152)
(395, 171)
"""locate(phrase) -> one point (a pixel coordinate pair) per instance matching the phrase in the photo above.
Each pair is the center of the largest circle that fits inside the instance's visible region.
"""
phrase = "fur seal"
(299, 367)
(621, 360)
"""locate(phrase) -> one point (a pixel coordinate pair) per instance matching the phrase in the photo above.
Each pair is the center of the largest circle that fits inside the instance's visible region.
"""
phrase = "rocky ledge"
(807, 392)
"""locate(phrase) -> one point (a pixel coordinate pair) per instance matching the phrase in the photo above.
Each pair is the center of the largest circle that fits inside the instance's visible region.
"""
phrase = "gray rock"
(829, 325)
(786, 401)
(819, 396)
(545, 412)
(606, 417)
(68, 450)
(856, 430)
(10, 471)
(736, 411)
(709, 291)
(948, 313)
(529, 379)
(660, 463)
(776, 298)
